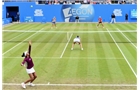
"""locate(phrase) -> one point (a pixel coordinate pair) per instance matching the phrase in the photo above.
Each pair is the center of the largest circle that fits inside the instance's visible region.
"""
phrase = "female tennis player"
(29, 67)
(77, 41)
(100, 22)
(54, 22)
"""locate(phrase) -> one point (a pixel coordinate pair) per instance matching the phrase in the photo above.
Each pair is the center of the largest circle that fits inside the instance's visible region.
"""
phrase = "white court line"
(96, 58)
(66, 46)
(65, 31)
(77, 85)
(127, 38)
(14, 37)
(20, 42)
(122, 54)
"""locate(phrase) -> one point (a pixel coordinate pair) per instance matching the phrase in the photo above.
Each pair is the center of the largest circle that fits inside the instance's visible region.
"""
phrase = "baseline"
(78, 85)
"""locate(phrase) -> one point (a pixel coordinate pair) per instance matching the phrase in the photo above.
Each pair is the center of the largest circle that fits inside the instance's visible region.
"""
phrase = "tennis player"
(29, 68)
(100, 21)
(54, 22)
(77, 41)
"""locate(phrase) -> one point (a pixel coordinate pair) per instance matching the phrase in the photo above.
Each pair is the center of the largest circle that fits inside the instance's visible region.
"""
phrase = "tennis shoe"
(31, 84)
(23, 85)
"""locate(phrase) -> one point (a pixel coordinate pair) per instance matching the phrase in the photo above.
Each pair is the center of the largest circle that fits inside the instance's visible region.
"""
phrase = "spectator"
(61, 2)
(64, 2)
(77, 2)
(85, 2)
(91, 2)
(50, 3)
(88, 1)
(94, 2)
(133, 2)
(72, 1)
(68, 2)
(108, 1)
(124, 2)
(47, 2)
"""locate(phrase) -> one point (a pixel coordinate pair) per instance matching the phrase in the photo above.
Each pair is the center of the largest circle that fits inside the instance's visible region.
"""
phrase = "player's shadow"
(76, 49)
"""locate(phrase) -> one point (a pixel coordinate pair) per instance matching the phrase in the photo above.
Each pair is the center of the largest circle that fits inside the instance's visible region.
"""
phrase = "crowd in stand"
(90, 2)
(79, 1)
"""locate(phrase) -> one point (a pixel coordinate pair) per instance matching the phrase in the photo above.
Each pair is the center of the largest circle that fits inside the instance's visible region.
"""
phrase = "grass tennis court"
(108, 61)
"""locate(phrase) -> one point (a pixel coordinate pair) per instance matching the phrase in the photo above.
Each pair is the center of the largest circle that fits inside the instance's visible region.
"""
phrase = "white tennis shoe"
(23, 85)
(31, 84)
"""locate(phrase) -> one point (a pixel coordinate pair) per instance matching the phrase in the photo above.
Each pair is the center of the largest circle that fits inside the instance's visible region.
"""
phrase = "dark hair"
(77, 36)
(23, 55)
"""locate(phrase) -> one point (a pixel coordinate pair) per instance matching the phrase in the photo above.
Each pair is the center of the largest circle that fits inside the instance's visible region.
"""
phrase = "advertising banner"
(133, 13)
(67, 13)
(84, 12)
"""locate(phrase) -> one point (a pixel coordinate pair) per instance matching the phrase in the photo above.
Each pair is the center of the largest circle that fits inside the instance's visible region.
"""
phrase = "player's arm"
(22, 63)
(29, 49)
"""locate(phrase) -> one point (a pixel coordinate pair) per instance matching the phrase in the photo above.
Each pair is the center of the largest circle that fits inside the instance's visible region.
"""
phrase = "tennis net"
(14, 36)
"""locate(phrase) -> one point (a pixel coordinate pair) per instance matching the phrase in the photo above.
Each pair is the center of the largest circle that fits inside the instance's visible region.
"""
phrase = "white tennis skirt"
(29, 71)
(76, 40)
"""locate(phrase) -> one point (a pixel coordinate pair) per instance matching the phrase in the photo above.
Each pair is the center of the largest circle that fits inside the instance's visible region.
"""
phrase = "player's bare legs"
(72, 45)
(53, 25)
(79, 44)
(34, 75)
(29, 80)
(99, 24)
(32, 78)
(102, 25)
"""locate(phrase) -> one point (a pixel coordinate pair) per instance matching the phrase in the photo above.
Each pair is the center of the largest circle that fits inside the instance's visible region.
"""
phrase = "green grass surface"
(101, 62)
